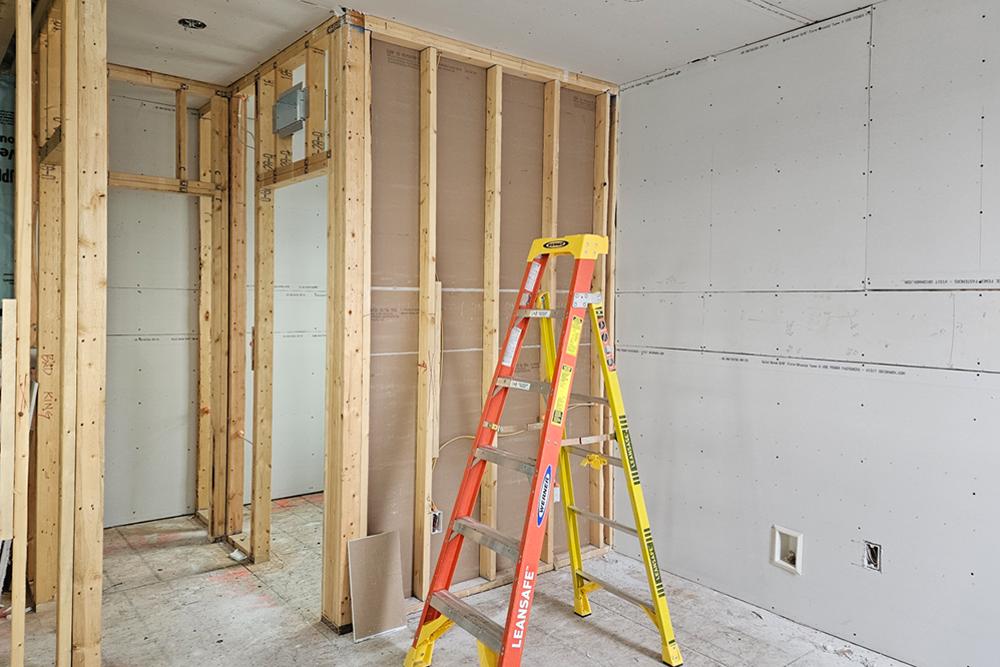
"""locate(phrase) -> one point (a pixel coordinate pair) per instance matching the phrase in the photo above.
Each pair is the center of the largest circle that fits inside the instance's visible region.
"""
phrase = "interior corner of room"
(265, 300)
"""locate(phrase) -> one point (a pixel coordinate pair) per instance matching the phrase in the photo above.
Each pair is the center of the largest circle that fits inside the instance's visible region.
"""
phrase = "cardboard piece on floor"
(376, 585)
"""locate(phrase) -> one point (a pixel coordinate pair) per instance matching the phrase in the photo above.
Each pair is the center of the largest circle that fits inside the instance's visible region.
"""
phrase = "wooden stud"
(181, 121)
(598, 284)
(491, 292)
(203, 477)
(283, 145)
(8, 377)
(428, 365)
(609, 293)
(263, 327)
(23, 150)
(141, 77)
(550, 228)
(92, 332)
(237, 314)
(118, 179)
(454, 49)
(366, 282)
(220, 314)
(68, 338)
(48, 411)
(44, 467)
(316, 86)
(347, 376)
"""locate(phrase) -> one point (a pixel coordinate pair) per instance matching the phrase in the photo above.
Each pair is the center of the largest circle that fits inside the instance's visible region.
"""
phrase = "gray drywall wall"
(809, 248)
(151, 421)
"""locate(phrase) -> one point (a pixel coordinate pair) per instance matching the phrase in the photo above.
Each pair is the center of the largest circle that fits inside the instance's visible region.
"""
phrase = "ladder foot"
(581, 606)
(422, 651)
(672, 654)
(582, 615)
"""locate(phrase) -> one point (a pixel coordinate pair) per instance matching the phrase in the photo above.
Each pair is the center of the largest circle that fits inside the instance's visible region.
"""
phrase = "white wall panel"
(725, 165)
(935, 99)
(955, 330)
(299, 339)
(900, 457)
(838, 377)
(152, 355)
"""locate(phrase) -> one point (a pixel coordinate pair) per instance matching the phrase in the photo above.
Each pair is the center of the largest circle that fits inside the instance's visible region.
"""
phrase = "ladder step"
(591, 439)
(489, 538)
(542, 387)
(583, 451)
(614, 590)
(524, 464)
(605, 521)
(470, 619)
(540, 313)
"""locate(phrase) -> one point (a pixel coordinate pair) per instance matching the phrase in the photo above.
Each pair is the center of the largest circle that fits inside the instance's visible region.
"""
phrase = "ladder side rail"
(550, 444)
(609, 368)
(447, 561)
(581, 605)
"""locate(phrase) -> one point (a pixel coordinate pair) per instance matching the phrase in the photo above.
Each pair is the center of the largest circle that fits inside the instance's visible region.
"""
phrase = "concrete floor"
(174, 598)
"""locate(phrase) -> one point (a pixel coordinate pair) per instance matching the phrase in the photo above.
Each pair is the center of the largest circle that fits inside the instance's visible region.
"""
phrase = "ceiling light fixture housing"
(192, 24)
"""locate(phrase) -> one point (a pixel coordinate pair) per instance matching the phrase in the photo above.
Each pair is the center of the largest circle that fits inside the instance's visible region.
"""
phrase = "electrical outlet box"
(291, 110)
(786, 549)
(873, 556)
(437, 522)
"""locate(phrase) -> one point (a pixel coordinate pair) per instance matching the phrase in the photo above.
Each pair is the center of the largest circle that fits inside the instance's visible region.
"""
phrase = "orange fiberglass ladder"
(503, 645)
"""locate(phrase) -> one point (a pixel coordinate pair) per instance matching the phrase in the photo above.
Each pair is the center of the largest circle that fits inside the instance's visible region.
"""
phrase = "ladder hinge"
(584, 299)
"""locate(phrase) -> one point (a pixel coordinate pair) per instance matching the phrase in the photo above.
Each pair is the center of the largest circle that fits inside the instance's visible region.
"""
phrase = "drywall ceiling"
(617, 40)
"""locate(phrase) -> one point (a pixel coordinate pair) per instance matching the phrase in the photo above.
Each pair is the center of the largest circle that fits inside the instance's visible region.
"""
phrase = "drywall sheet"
(152, 356)
(152, 324)
(395, 253)
(951, 330)
(935, 101)
(842, 453)
(837, 377)
(748, 171)
(376, 585)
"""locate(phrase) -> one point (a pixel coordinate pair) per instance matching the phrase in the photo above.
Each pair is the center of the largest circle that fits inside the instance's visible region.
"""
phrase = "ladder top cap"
(580, 246)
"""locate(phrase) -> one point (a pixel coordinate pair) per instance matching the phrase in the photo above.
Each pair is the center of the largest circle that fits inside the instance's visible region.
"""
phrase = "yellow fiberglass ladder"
(503, 644)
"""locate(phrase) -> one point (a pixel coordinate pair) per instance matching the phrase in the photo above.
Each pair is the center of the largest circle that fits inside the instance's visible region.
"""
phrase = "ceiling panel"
(617, 40)
(240, 34)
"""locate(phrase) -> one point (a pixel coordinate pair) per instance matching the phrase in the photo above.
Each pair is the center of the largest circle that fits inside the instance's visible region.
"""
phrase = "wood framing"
(348, 281)
(43, 560)
(68, 342)
(161, 184)
(220, 315)
(8, 376)
(263, 327)
(315, 140)
(609, 294)
(92, 332)
(283, 145)
(454, 49)
(596, 476)
(491, 291)
(428, 363)
(550, 228)
(150, 79)
(23, 160)
(203, 477)
(181, 132)
(237, 313)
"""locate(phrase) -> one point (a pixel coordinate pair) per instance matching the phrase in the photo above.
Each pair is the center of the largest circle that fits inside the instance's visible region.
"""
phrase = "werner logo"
(543, 497)
(523, 607)
(560, 243)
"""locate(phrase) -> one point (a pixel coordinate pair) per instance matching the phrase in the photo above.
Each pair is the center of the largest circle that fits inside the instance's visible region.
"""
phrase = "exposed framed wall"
(455, 271)
(392, 334)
